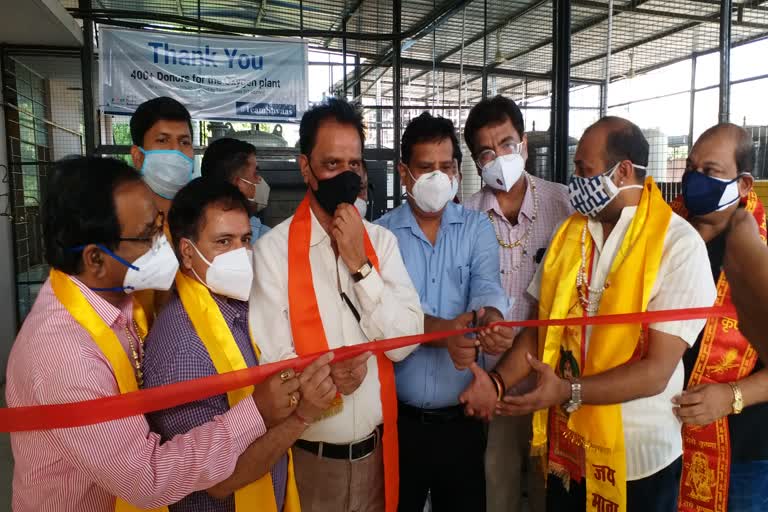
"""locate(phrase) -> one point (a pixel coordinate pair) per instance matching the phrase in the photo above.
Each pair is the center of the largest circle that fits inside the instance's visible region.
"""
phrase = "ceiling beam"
(346, 15)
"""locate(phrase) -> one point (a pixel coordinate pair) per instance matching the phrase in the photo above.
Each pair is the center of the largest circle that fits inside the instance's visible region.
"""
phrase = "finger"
(315, 365)
(536, 364)
(465, 319)
(354, 362)
(689, 398)
(503, 409)
(463, 342)
(469, 411)
(330, 395)
(478, 372)
(290, 386)
(320, 375)
(691, 411)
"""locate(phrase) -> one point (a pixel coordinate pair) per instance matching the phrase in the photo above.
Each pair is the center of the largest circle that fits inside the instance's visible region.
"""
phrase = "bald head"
(623, 141)
(736, 139)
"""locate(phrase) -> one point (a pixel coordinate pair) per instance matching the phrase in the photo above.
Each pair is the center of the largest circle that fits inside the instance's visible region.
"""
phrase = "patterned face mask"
(589, 196)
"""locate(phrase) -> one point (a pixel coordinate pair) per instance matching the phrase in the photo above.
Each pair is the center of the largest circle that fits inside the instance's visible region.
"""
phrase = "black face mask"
(342, 188)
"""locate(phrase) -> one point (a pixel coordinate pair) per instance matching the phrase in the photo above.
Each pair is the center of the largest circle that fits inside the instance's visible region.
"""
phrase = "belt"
(352, 451)
(431, 416)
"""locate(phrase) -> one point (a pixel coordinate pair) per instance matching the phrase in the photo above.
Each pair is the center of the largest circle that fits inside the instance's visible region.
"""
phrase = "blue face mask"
(704, 194)
(166, 171)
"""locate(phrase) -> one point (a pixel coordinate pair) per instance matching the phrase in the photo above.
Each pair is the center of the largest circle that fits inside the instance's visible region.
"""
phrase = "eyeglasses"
(156, 238)
(508, 148)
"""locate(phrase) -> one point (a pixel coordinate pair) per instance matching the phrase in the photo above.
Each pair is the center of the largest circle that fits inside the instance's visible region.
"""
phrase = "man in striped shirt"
(100, 219)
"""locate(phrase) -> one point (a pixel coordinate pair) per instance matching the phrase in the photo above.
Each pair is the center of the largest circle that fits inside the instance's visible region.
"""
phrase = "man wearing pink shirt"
(524, 211)
(104, 239)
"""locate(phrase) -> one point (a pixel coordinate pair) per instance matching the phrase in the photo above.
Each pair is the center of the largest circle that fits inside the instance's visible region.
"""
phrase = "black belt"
(431, 416)
(352, 451)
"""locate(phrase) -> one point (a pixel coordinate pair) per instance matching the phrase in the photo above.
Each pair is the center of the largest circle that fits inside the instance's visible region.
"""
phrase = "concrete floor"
(6, 464)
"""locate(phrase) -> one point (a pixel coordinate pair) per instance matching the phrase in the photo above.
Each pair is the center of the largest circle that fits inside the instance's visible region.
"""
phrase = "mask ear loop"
(202, 258)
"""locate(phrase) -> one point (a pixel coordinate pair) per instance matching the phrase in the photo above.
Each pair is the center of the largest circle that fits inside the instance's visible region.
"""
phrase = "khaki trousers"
(334, 485)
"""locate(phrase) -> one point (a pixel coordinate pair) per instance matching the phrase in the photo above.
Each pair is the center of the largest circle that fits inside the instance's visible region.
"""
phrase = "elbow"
(656, 382)
(219, 492)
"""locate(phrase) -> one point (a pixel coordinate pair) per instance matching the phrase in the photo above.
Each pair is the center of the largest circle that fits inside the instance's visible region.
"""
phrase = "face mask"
(362, 206)
(261, 195)
(589, 196)
(704, 194)
(503, 172)
(166, 171)
(153, 270)
(229, 274)
(433, 190)
(342, 188)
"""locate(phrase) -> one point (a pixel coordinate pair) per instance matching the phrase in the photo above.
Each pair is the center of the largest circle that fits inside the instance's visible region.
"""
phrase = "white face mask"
(229, 274)
(589, 196)
(362, 206)
(166, 171)
(433, 190)
(503, 172)
(153, 270)
(261, 195)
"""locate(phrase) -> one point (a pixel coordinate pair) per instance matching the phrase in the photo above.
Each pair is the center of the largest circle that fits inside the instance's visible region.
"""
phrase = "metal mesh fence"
(659, 57)
(44, 123)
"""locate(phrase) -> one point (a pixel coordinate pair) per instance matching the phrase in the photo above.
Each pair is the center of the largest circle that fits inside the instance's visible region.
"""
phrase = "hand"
(277, 397)
(463, 350)
(349, 374)
(494, 340)
(347, 231)
(480, 397)
(317, 388)
(704, 404)
(550, 391)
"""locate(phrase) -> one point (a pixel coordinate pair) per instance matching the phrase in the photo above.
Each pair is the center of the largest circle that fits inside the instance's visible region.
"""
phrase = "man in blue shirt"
(452, 257)
(235, 161)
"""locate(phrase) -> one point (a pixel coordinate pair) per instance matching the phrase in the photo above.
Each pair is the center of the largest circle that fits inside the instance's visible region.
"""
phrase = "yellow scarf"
(73, 300)
(215, 334)
(598, 430)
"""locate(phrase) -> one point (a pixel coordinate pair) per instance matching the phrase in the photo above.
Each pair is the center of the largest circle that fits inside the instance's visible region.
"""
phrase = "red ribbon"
(89, 412)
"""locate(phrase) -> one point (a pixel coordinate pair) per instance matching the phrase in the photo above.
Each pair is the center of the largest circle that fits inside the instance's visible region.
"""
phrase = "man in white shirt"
(324, 279)
(608, 388)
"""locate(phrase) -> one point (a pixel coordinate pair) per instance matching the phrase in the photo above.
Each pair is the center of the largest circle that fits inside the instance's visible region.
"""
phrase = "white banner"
(226, 78)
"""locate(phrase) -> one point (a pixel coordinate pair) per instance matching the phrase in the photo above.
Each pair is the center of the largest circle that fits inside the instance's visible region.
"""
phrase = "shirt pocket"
(458, 278)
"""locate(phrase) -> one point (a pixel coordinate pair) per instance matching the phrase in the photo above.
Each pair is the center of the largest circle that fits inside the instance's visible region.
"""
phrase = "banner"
(226, 78)
(76, 414)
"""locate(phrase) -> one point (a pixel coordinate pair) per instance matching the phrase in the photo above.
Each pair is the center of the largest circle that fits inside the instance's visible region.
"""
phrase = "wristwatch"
(738, 398)
(573, 405)
(362, 272)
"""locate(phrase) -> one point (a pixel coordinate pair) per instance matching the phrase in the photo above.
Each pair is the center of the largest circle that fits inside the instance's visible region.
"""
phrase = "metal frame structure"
(400, 45)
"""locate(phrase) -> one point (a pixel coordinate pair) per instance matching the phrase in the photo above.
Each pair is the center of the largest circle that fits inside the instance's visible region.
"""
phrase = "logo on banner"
(244, 108)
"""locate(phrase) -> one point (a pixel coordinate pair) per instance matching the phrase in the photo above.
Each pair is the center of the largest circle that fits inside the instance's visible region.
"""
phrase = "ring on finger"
(285, 375)
(293, 400)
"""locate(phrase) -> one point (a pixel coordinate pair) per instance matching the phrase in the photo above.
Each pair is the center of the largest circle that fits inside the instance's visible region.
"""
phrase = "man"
(81, 341)
(614, 441)
(325, 278)
(235, 161)
(162, 151)
(723, 373)
(524, 211)
(204, 331)
(451, 255)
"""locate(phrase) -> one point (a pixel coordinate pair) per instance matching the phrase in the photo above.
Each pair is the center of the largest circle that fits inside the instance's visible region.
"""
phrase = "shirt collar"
(110, 314)
(230, 308)
(596, 228)
(489, 202)
(318, 234)
(403, 217)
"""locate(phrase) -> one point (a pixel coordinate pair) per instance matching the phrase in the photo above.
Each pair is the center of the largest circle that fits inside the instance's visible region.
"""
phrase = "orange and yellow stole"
(725, 356)
(309, 335)
(590, 442)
